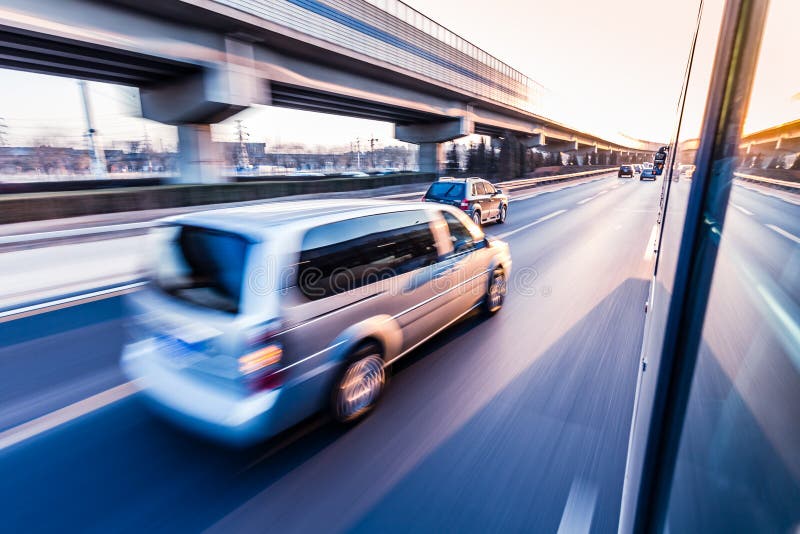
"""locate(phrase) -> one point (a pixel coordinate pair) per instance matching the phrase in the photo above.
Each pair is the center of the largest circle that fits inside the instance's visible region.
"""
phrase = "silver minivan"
(255, 318)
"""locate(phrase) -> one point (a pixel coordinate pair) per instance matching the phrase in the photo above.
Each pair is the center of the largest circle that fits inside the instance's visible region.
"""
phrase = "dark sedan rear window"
(446, 190)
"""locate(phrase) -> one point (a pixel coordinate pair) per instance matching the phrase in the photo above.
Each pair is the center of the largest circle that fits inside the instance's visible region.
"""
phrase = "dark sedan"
(625, 171)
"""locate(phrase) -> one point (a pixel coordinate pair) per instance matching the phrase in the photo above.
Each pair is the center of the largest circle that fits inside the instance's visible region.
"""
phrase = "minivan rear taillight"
(464, 204)
(260, 366)
(261, 359)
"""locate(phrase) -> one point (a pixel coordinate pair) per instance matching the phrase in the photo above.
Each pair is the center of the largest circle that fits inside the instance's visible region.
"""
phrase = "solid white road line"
(743, 210)
(74, 232)
(403, 195)
(762, 191)
(650, 248)
(784, 233)
(19, 433)
(537, 221)
(26, 311)
(579, 509)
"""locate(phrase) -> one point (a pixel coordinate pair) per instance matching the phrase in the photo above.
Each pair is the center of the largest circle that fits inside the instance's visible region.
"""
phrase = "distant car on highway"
(625, 171)
(387, 171)
(648, 173)
(637, 168)
(257, 317)
(478, 198)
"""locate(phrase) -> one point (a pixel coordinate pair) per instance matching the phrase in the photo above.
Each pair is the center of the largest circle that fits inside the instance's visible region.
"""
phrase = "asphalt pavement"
(515, 423)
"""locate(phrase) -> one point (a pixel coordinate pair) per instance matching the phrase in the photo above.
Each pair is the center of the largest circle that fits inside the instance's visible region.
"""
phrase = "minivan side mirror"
(498, 191)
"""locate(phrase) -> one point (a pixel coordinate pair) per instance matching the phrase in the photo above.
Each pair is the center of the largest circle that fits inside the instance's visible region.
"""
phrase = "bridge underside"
(295, 97)
(46, 54)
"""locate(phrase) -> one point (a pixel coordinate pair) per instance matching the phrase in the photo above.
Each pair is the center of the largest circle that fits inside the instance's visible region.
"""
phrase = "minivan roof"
(250, 220)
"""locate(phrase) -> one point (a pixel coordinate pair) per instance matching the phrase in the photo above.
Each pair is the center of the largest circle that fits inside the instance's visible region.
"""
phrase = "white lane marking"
(537, 221)
(784, 233)
(526, 197)
(743, 210)
(579, 509)
(20, 433)
(585, 200)
(650, 248)
(403, 195)
(603, 192)
(66, 301)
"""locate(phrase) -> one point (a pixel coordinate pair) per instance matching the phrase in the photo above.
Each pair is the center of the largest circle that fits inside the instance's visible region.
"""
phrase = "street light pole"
(98, 166)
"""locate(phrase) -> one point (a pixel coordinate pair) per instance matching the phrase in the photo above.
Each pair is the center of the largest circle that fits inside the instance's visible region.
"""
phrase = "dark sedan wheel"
(360, 386)
(496, 293)
(503, 212)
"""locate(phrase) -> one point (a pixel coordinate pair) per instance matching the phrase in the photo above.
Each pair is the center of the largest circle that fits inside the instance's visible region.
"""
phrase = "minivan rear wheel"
(476, 217)
(360, 385)
(496, 293)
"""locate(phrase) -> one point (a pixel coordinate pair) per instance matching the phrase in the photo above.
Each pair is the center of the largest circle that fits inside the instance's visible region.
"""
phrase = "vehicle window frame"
(645, 507)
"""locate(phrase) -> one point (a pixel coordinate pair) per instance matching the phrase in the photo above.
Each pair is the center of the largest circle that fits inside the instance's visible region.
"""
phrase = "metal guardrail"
(764, 179)
(555, 177)
(73, 233)
(113, 229)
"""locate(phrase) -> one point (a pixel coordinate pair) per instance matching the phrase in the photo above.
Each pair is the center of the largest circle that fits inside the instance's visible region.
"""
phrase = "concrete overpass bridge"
(197, 62)
(776, 143)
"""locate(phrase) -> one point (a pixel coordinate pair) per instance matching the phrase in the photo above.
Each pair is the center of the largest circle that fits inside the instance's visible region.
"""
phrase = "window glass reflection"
(738, 465)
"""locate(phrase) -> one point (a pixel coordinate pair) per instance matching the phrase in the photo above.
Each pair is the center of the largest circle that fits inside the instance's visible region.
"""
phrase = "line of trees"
(514, 159)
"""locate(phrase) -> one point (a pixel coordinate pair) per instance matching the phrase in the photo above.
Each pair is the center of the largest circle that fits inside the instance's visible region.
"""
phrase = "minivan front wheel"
(503, 212)
(496, 293)
(360, 385)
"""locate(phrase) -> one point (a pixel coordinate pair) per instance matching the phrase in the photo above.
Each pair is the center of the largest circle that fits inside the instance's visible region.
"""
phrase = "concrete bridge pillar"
(200, 160)
(431, 157)
(429, 137)
(196, 101)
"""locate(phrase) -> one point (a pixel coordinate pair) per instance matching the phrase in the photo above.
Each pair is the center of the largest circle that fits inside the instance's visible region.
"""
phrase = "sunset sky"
(610, 68)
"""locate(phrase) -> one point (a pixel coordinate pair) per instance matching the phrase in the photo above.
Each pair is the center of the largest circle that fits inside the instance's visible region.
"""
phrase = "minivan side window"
(462, 238)
(345, 255)
(480, 189)
(490, 190)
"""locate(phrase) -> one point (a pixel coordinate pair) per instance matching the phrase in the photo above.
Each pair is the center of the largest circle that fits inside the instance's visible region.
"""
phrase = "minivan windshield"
(202, 266)
(446, 190)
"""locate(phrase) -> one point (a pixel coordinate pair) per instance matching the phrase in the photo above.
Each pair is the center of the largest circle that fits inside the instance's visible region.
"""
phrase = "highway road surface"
(518, 423)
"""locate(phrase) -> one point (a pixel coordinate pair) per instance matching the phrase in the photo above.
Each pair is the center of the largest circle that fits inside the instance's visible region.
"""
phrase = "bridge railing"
(392, 32)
